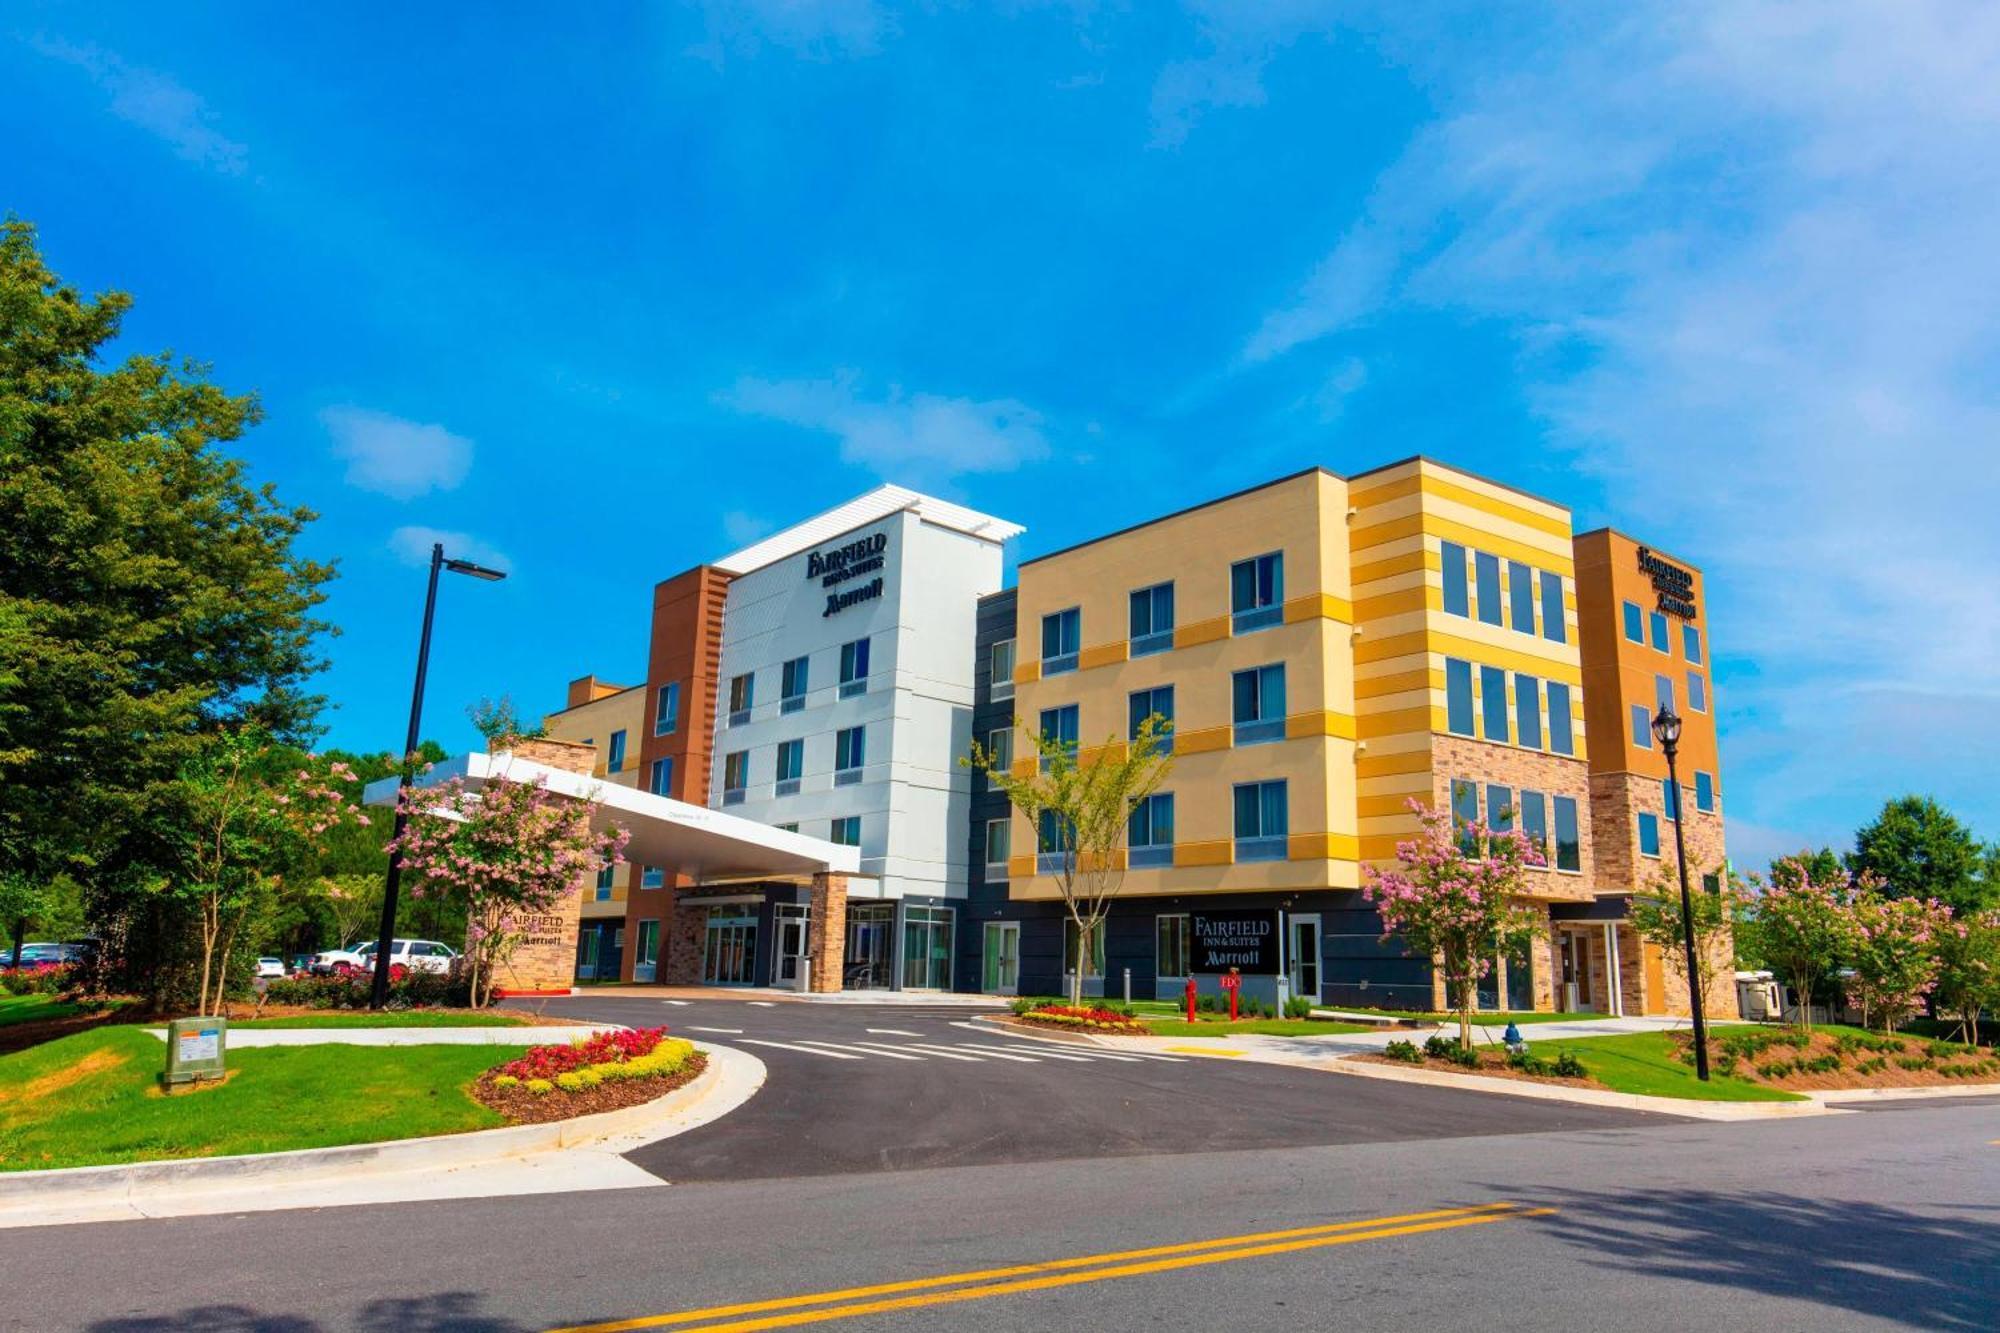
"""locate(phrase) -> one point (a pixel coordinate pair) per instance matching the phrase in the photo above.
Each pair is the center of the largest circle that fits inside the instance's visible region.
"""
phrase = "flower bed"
(599, 1073)
(1091, 1019)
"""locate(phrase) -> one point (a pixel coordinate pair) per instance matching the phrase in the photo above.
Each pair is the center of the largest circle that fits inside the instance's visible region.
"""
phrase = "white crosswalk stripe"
(681, 1003)
(943, 1053)
(721, 1032)
(807, 1050)
(1039, 1053)
(862, 1051)
(989, 1053)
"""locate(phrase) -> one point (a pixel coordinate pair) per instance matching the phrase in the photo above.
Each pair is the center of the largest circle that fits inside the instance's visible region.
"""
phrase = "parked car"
(41, 954)
(405, 956)
(270, 967)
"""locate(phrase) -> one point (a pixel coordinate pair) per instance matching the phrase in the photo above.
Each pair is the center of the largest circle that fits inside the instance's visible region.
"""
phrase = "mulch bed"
(522, 1107)
(1070, 1030)
(1891, 1075)
(1491, 1065)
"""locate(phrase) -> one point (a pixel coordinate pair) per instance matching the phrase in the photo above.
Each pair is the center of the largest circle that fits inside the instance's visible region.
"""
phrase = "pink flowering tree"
(508, 852)
(1969, 969)
(1894, 956)
(241, 813)
(1804, 920)
(1455, 895)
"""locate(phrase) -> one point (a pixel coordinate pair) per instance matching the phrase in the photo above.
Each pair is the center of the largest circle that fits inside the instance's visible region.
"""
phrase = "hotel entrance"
(793, 920)
(729, 948)
(871, 945)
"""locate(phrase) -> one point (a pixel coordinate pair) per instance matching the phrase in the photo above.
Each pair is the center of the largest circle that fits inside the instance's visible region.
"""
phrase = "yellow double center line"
(949, 1288)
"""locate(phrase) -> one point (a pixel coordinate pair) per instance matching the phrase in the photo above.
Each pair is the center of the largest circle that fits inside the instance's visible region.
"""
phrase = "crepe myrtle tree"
(1655, 914)
(1805, 924)
(1894, 956)
(506, 852)
(1080, 803)
(1969, 969)
(1455, 896)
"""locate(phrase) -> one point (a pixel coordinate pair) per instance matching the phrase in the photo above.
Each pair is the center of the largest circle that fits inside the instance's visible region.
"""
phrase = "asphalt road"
(1872, 1220)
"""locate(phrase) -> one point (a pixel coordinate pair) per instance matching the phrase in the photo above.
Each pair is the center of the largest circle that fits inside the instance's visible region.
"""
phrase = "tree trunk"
(20, 933)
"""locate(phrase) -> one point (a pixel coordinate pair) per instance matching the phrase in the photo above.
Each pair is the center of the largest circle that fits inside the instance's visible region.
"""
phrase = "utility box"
(194, 1050)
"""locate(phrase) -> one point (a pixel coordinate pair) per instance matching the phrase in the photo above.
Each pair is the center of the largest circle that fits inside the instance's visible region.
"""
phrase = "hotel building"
(1328, 650)
(608, 718)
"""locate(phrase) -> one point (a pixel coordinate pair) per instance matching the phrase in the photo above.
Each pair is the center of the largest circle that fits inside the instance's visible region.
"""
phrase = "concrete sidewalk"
(767, 994)
(503, 1034)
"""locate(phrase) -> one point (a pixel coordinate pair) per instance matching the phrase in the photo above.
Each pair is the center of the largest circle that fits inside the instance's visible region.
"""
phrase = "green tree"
(1080, 804)
(499, 722)
(1656, 918)
(1805, 925)
(149, 592)
(1919, 849)
(1969, 969)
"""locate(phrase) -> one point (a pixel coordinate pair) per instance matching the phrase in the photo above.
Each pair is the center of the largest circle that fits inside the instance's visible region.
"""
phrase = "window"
(1259, 704)
(667, 709)
(1562, 735)
(1521, 597)
(1262, 820)
(1257, 592)
(1458, 696)
(845, 832)
(1062, 632)
(1000, 747)
(1149, 834)
(735, 776)
(1499, 808)
(1528, 710)
(1170, 951)
(1493, 703)
(1704, 792)
(788, 828)
(652, 877)
(614, 762)
(1486, 573)
(1658, 623)
(850, 754)
(1635, 623)
(660, 780)
(1456, 601)
(853, 668)
(791, 763)
(1569, 851)
(1663, 693)
(742, 690)
(1555, 616)
(1000, 660)
(1642, 727)
(1464, 802)
(1697, 692)
(604, 884)
(1670, 798)
(792, 689)
(1152, 619)
(1060, 724)
(1711, 883)
(1649, 833)
(1691, 644)
(1535, 820)
(999, 843)
(1055, 843)
(1143, 704)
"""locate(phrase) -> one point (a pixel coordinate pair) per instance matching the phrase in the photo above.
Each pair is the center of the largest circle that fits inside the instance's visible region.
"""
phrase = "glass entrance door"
(1001, 974)
(871, 940)
(927, 947)
(646, 954)
(1304, 955)
(792, 919)
(729, 954)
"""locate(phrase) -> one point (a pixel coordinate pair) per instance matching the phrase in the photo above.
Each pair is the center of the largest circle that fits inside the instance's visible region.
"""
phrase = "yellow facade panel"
(1403, 601)
(1407, 761)
(1197, 632)
(1301, 726)
(1219, 852)
(1322, 847)
(1389, 566)
(1322, 606)
(1201, 740)
(1104, 654)
(1027, 673)
(1401, 682)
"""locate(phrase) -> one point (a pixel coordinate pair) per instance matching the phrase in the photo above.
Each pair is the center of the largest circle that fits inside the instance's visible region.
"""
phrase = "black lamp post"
(1667, 726)
(385, 942)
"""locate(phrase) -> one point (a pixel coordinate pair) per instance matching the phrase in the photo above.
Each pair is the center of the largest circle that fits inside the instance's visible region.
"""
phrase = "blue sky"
(605, 292)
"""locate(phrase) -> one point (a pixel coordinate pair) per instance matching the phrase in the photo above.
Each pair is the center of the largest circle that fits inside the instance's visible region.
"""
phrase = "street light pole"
(385, 939)
(1667, 726)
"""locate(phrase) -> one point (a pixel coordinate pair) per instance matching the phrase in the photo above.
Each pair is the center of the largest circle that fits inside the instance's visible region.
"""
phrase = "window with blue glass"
(1458, 696)
(614, 759)
(1555, 616)
(791, 764)
(660, 779)
(1486, 573)
(604, 883)
(1150, 832)
(667, 709)
(845, 832)
(1152, 623)
(1535, 821)
(1569, 848)
(1658, 624)
(853, 668)
(1642, 727)
(1670, 798)
(1263, 819)
(1663, 694)
(1697, 692)
(1055, 843)
(792, 686)
(1142, 704)
(1649, 833)
(1257, 592)
(1457, 599)
(1691, 644)
(1258, 704)
(1500, 810)
(1562, 735)
(1465, 812)
(1060, 725)
(735, 776)
(1062, 634)
(742, 695)
(1521, 597)
(1635, 622)
(1493, 704)
(652, 877)
(1528, 711)
(850, 754)
(1704, 792)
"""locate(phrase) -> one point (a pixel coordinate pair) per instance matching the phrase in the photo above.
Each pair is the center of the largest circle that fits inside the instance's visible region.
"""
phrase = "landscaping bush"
(35, 980)
(1568, 1066)
(1406, 1051)
(601, 1048)
(1298, 1007)
(1440, 1048)
(1525, 1063)
(417, 990)
(1099, 1018)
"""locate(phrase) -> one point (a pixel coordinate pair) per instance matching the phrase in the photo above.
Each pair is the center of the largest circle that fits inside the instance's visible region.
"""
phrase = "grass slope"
(1646, 1063)
(33, 1008)
(94, 1098)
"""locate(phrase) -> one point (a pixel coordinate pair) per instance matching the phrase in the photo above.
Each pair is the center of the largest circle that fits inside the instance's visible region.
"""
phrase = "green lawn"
(33, 1008)
(93, 1098)
(1645, 1063)
(1261, 1027)
(394, 1018)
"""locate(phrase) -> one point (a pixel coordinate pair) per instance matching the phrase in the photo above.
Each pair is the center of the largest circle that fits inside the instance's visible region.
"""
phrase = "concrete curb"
(1849, 1096)
(1551, 1092)
(261, 1181)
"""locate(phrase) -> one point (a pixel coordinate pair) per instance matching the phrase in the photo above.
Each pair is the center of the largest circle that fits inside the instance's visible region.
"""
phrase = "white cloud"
(741, 529)
(815, 29)
(156, 103)
(1749, 251)
(412, 546)
(394, 456)
(918, 437)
